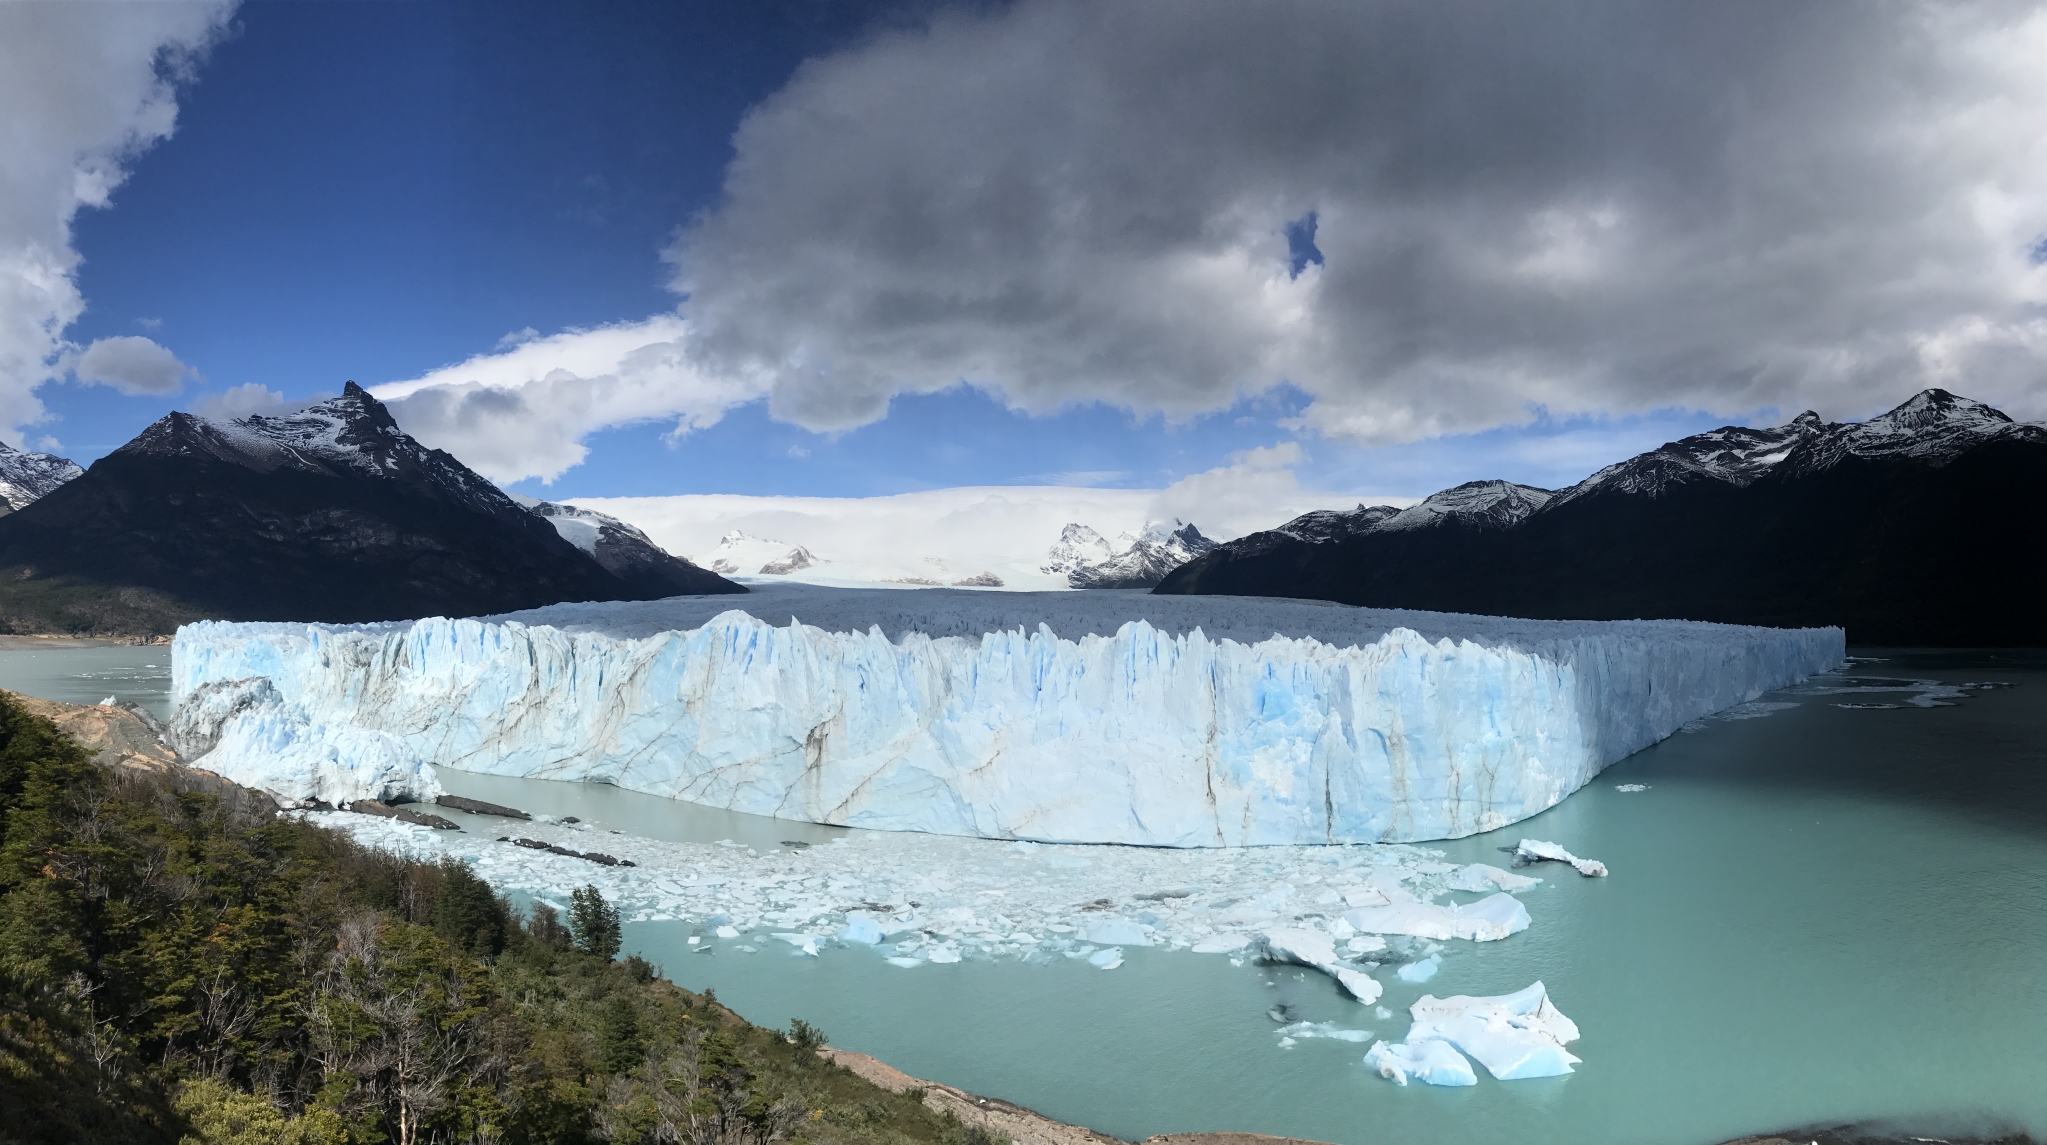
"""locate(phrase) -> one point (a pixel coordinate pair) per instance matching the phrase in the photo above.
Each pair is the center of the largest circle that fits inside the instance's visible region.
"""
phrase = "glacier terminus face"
(1109, 717)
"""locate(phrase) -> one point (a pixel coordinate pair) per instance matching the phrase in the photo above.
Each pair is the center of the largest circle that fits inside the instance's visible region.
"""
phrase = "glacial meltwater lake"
(1833, 909)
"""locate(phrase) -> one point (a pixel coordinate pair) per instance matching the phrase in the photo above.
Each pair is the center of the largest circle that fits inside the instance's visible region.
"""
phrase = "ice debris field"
(1108, 717)
(1349, 912)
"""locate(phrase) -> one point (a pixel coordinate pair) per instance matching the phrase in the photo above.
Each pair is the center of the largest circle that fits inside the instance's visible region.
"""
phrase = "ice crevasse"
(1113, 718)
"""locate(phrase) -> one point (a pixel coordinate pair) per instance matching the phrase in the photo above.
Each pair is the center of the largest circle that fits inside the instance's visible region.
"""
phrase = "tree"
(595, 923)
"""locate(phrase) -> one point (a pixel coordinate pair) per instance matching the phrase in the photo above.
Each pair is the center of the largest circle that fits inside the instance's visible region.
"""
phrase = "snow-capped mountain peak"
(349, 435)
(1077, 547)
(25, 476)
(1932, 428)
(1137, 560)
(738, 552)
(1488, 504)
(1330, 524)
(1734, 454)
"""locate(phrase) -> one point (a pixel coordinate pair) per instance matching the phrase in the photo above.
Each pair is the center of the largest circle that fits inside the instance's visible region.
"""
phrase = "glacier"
(1109, 717)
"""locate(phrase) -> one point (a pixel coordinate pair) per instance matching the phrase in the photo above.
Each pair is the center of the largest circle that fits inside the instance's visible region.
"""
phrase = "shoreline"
(30, 642)
(1026, 1126)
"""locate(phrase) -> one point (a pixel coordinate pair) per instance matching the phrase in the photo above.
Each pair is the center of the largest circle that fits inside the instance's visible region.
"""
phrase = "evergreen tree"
(595, 923)
(620, 1045)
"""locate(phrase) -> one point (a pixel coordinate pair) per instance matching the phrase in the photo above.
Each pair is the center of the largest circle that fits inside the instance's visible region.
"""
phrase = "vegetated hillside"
(1921, 527)
(178, 963)
(332, 513)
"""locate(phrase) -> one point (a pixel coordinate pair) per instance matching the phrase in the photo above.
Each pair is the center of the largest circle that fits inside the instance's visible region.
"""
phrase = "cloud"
(243, 400)
(523, 411)
(1583, 208)
(1258, 489)
(130, 364)
(87, 88)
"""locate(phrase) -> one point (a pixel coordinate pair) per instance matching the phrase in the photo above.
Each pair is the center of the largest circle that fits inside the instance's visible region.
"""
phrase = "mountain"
(1919, 527)
(625, 551)
(742, 554)
(1139, 561)
(332, 513)
(26, 476)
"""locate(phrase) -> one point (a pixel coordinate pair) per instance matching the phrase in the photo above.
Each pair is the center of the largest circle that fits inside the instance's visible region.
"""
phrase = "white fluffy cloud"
(86, 87)
(523, 410)
(1610, 207)
(130, 364)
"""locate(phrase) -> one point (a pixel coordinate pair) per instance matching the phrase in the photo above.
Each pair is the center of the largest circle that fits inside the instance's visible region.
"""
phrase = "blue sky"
(383, 191)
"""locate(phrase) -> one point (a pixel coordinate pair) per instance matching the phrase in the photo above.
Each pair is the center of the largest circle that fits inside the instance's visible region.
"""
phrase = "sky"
(798, 248)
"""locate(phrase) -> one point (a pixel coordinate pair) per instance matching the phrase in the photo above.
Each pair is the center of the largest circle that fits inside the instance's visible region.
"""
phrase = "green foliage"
(595, 923)
(176, 970)
(806, 1036)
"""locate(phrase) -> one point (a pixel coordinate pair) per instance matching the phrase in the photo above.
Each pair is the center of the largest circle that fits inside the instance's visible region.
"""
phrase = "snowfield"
(1109, 717)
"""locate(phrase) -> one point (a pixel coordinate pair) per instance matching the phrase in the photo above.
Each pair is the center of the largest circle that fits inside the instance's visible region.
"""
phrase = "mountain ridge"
(1910, 528)
(331, 513)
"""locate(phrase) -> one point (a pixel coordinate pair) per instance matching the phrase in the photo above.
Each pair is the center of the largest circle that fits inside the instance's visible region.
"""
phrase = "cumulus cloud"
(523, 410)
(130, 364)
(87, 87)
(1253, 492)
(1613, 207)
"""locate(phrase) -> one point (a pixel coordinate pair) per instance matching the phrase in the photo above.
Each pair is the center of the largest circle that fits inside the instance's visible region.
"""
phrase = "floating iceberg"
(1432, 1062)
(1303, 947)
(1487, 920)
(1103, 717)
(1518, 1035)
(1537, 851)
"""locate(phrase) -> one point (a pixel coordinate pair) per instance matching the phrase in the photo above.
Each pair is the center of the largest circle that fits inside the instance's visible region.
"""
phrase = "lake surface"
(140, 674)
(1817, 914)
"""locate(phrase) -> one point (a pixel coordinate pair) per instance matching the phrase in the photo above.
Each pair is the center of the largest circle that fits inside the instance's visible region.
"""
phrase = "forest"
(179, 963)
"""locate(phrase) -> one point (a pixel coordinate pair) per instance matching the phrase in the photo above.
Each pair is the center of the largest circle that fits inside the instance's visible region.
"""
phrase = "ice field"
(1103, 717)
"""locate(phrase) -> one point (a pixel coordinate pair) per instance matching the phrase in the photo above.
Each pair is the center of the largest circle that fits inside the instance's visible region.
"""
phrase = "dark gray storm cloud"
(1606, 207)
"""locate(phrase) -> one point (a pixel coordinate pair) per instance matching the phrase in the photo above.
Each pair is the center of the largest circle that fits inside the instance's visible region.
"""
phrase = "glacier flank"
(1110, 717)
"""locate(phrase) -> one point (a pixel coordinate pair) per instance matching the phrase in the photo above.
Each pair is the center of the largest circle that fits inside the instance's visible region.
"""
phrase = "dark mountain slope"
(1923, 527)
(331, 514)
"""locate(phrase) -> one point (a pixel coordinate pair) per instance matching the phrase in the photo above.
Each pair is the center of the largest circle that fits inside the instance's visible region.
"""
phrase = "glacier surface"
(1110, 717)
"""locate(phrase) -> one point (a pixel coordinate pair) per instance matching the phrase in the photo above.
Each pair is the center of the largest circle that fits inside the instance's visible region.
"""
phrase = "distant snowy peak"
(1734, 454)
(1078, 547)
(351, 435)
(739, 553)
(1932, 428)
(1486, 504)
(25, 477)
(1141, 560)
(622, 549)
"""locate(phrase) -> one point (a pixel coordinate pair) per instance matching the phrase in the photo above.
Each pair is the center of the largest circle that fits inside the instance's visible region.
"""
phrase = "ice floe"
(1537, 851)
(1515, 1036)
(1431, 1062)
(933, 898)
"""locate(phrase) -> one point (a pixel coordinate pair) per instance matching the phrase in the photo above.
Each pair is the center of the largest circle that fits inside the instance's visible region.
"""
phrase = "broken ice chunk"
(1116, 932)
(1108, 959)
(1303, 947)
(1536, 851)
(1482, 877)
(1365, 944)
(865, 931)
(905, 963)
(1631, 787)
(1516, 1035)
(1421, 971)
(728, 932)
(1324, 1030)
(943, 954)
(1222, 943)
(1490, 918)
(1432, 1062)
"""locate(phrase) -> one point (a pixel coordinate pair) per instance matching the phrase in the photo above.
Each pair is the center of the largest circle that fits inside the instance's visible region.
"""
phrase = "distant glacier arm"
(1142, 736)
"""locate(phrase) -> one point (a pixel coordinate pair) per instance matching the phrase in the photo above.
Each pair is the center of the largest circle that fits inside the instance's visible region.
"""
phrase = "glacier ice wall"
(1138, 735)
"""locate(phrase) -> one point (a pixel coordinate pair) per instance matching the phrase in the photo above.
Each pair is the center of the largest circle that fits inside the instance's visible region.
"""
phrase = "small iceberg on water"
(1515, 1036)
